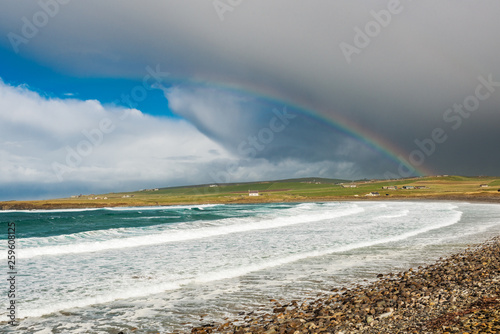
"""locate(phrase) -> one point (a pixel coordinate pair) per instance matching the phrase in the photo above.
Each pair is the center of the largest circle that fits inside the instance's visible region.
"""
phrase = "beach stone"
(385, 315)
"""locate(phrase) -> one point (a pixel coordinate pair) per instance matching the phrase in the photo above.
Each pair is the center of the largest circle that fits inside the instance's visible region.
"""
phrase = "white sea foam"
(238, 226)
(133, 292)
(138, 208)
(399, 214)
(50, 211)
(140, 290)
(165, 207)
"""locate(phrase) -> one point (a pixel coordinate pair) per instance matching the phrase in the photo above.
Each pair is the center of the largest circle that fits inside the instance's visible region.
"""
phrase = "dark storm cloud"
(256, 128)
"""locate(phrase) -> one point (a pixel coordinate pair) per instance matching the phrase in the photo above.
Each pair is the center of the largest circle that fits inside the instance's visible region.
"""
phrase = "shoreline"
(69, 204)
(457, 294)
(372, 312)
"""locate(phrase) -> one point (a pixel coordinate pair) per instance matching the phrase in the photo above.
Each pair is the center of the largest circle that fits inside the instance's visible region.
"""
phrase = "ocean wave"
(224, 227)
(156, 286)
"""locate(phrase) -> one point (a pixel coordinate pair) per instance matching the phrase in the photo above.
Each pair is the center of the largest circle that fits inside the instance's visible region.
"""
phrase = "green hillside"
(291, 190)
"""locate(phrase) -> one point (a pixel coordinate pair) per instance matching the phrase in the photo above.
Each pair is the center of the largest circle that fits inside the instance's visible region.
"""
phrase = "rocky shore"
(458, 294)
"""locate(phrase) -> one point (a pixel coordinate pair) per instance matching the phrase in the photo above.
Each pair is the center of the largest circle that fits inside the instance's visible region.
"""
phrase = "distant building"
(408, 187)
(349, 185)
(373, 193)
(390, 187)
(213, 185)
(484, 186)
(421, 187)
(253, 193)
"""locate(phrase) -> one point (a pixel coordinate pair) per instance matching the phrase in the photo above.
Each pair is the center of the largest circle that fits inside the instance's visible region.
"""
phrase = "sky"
(101, 96)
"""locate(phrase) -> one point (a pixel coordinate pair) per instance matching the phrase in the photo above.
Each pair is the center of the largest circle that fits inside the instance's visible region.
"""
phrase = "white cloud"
(89, 143)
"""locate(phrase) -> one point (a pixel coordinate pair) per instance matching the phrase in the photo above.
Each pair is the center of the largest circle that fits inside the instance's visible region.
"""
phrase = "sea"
(166, 269)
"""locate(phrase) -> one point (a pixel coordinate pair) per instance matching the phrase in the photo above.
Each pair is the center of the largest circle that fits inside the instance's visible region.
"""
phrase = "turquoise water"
(164, 269)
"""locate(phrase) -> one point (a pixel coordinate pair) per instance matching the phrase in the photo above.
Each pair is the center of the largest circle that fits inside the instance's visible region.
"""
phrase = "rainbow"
(369, 138)
(372, 140)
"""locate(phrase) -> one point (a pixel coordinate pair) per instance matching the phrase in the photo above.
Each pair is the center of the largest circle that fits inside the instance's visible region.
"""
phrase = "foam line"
(183, 235)
(131, 208)
(402, 213)
(167, 207)
(134, 292)
(50, 211)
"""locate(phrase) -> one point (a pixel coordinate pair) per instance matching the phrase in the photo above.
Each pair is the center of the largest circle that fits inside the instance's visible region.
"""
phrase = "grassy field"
(448, 187)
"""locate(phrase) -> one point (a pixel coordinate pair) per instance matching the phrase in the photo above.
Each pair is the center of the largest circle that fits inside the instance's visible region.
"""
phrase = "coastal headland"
(295, 190)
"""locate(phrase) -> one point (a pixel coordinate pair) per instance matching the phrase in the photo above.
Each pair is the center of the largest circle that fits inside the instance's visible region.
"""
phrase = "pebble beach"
(457, 294)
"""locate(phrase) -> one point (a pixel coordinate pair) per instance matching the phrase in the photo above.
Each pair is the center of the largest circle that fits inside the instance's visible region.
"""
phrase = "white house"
(253, 193)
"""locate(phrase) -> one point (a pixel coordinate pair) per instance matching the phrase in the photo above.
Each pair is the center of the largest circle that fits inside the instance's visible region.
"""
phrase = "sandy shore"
(457, 294)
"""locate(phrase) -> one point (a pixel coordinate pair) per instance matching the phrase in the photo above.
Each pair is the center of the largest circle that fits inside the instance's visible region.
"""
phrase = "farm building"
(253, 193)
